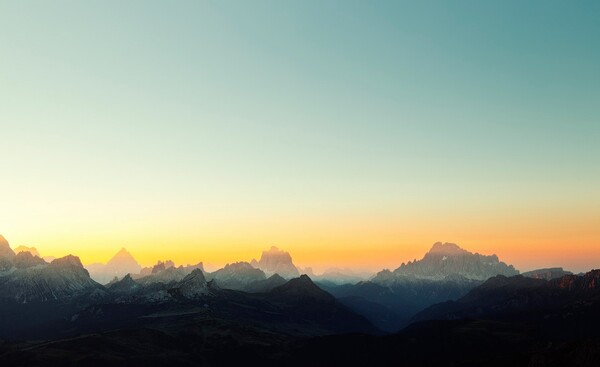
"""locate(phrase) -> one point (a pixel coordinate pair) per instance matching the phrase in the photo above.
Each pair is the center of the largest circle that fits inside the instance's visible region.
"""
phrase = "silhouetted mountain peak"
(302, 287)
(277, 261)
(5, 250)
(123, 261)
(193, 285)
(448, 259)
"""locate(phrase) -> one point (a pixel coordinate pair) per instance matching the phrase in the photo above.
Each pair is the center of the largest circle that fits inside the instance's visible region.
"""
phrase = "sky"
(349, 133)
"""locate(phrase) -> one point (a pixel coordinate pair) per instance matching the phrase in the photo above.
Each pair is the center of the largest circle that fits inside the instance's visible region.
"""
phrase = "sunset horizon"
(358, 259)
(300, 183)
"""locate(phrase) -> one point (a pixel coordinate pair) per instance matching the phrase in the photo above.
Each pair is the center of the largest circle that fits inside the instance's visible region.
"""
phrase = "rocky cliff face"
(276, 261)
(62, 279)
(448, 259)
(6, 255)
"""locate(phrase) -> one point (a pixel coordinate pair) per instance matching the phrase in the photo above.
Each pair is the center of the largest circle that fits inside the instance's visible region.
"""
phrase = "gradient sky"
(350, 133)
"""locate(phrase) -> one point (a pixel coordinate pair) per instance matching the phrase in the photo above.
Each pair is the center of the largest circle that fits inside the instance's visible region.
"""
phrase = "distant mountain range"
(240, 315)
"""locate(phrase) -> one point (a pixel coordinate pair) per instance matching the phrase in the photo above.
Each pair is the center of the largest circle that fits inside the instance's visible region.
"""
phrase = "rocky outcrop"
(62, 279)
(276, 261)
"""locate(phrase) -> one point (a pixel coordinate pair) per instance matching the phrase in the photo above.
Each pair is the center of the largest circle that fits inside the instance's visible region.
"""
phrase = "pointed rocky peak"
(27, 260)
(196, 276)
(123, 254)
(5, 250)
(123, 260)
(193, 285)
(447, 248)
(302, 288)
(31, 250)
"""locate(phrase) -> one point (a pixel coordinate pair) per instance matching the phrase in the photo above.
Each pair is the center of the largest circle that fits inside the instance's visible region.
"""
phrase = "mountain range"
(54, 313)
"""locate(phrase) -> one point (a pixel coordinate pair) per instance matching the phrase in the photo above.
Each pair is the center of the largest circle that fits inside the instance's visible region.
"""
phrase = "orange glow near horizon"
(527, 239)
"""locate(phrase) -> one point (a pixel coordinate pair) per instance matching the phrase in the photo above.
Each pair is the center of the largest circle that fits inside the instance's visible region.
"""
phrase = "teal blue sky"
(141, 111)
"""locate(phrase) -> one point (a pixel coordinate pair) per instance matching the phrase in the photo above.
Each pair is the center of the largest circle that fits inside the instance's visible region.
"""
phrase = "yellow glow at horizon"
(528, 239)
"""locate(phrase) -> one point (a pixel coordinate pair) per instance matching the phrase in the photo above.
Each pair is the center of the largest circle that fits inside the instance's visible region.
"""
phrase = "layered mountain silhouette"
(502, 296)
(446, 272)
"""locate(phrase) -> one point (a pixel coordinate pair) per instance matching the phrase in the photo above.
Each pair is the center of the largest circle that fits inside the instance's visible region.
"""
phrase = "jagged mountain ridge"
(276, 261)
(31, 250)
(237, 276)
(448, 259)
(61, 279)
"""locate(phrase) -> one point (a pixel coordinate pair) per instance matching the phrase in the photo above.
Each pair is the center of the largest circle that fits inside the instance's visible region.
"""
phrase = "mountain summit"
(118, 266)
(7, 255)
(447, 248)
(449, 260)
(123, 261)
(276, 261)
(5, 250)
